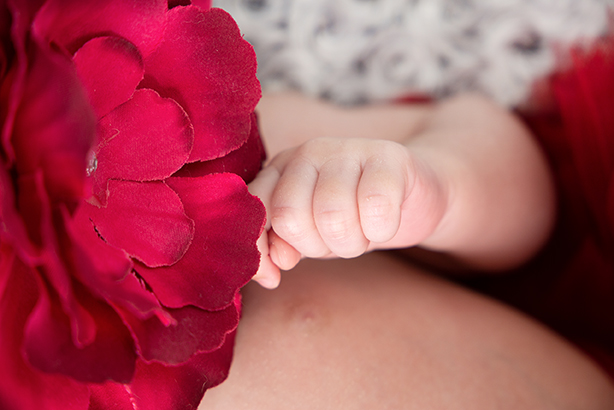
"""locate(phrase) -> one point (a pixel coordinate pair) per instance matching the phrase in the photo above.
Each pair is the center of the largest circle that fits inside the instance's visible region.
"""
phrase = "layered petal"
(110, 396)
(161, 387)
(107, 271)
(145, 219)
(6, 48)
(54, 125)
(202, 4)
(223, 256)
(7, 257)
(14, 227)
(49, 347)
(146, 139)
(184, 384)
(21, 386)
(110, 68)
(71, 23)
(245, 161)
(128, 298)
(52, 269)
(205, 65)
(194, 331)
(20, 14)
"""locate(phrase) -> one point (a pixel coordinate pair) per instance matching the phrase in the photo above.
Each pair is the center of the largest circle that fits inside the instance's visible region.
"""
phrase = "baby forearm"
(500, 196)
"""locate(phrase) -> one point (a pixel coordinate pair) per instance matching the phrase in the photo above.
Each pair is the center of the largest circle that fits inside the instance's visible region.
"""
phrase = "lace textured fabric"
(355, 51)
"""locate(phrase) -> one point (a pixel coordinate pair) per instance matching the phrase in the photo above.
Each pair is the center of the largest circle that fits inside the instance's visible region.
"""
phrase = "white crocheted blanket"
(354, 51)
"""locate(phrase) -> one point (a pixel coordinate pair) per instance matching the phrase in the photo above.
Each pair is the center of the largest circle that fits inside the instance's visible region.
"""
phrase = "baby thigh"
(375, 333)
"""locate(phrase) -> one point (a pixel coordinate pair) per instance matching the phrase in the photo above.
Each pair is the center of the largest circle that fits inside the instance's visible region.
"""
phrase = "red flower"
(126, 228)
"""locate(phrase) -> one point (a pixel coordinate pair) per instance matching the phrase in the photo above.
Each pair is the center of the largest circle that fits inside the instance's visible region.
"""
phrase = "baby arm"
(462, 177)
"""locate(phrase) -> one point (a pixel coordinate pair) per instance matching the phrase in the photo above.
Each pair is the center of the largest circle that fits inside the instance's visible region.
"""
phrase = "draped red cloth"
(570, 285)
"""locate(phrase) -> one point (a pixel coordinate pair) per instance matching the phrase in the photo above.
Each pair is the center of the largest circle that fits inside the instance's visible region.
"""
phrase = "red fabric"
(570, 285)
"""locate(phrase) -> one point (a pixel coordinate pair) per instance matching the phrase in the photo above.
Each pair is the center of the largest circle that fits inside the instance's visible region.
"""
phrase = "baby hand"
(336, 197)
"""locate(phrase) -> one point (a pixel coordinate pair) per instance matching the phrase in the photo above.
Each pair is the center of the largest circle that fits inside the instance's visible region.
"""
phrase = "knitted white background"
(354, 51)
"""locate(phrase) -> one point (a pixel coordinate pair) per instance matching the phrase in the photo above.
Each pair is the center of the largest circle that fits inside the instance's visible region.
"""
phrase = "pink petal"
(47, 256)
(21, 386)
(15, 230)
(195, 331)
(3, 63)
(5, 24)
(71, 23)
(205, 65)
(48, 344)
(30, 206)
(159, 387)
(110, 396)
(107, 271)
(110, 68)
(245, 161)
(50, 263)
(24, 10)
(101, 262)
(223, 256)
(146, 220)
(7, 257)
(202, 4)
(19, 13)
(54, 126)
(146, 139)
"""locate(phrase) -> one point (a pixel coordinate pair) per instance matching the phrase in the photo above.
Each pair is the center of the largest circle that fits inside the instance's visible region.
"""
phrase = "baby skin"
(462, 178)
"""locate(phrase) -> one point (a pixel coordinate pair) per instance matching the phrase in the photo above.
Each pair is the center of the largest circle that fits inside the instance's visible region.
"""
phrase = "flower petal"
(15, 229)
(107, 271)
(54, 126)
(195, 331)
(18, 21)
(71, 23)
(110, 396)
(50, 264)
(145, 219)
(223, 256)
(205, 65)
(202, 4)
(6, 52)
(21, 386)
(49, 347)
(30, 206)
(110, 68)
(7, 257)
(159, 387)
(146, 139)
(245, 161)
(101, 262)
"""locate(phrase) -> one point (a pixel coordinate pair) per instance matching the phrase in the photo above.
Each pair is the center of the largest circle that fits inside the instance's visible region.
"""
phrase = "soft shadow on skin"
(376, 333)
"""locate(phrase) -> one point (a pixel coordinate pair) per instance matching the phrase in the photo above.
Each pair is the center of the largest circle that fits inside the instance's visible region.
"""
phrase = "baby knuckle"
(335, 225)
(379, 218)
(376, 207)
(290, 224)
